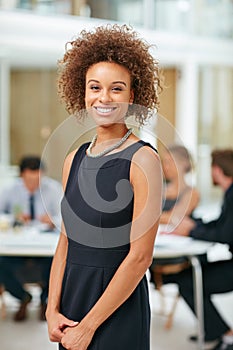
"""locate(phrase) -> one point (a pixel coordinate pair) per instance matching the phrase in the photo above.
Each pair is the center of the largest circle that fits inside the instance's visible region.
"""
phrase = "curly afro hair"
(110, 43)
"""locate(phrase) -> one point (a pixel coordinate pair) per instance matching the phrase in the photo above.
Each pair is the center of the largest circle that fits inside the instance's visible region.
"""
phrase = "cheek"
(89, 95)
(214, 176)
(34, 184)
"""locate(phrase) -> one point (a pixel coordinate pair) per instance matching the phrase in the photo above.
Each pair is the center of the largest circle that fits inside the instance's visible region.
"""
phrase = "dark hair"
(224, 160)
(182, 154)
(31, 163)
(110, 43)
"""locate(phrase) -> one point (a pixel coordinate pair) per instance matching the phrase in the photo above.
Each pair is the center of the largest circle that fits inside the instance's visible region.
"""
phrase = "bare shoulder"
(145, 163)
(67, 165)
(146, 156)
(69, 159)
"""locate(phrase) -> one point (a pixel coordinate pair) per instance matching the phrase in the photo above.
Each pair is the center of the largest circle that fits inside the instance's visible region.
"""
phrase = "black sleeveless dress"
(97, 211)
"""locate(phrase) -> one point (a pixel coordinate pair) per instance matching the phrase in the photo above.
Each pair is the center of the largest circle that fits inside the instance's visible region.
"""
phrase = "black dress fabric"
(97, 211)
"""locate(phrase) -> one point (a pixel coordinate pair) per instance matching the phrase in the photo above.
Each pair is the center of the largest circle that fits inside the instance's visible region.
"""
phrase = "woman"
(180, 199)
(98, 297)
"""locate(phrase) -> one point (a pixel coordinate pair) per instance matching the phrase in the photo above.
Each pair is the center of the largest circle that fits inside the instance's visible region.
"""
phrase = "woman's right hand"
(57, 323)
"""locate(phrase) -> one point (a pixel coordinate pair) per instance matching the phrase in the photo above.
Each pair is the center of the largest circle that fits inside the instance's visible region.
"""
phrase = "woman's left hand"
(77, 338)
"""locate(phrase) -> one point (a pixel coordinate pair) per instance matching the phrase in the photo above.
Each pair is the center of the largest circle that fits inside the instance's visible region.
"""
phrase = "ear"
(131, 97)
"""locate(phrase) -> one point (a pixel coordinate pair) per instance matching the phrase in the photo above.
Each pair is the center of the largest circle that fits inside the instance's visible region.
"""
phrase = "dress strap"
(144, 143)
(79, 155)
(129, 151)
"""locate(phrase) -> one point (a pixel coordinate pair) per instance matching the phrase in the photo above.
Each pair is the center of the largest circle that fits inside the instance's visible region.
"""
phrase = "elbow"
(149, 261)
(142, 261)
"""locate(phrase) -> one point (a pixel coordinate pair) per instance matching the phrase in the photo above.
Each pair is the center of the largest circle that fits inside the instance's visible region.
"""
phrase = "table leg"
(198, 299)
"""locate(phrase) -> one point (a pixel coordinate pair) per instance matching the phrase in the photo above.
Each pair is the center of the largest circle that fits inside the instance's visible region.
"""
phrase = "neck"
(226, 183)
(114, 131)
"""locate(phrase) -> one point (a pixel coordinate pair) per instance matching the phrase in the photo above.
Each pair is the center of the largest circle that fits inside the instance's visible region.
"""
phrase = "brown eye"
(117, 88)
(94, 87)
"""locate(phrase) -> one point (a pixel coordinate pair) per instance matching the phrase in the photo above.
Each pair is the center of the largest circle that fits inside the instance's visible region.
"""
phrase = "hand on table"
(184, 227)
(45, 219)
(23, 218)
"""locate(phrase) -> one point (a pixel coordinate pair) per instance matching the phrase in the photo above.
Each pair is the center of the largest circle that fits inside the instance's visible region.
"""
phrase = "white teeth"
(104, 110)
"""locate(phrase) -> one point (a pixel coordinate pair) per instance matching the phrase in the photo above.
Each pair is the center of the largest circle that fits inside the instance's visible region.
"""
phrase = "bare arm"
(56, 275)
(146, 180)
(56, 321)
(184, 207)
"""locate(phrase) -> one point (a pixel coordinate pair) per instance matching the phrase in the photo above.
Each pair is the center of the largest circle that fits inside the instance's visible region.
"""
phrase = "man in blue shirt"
(32, 199)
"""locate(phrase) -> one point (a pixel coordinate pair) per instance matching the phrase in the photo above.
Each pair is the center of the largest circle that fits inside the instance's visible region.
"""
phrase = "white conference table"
(29, 241)
(168, 245)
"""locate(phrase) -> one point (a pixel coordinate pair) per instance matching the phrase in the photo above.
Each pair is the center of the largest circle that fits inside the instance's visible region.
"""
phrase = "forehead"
(108, 70)
(31, 173)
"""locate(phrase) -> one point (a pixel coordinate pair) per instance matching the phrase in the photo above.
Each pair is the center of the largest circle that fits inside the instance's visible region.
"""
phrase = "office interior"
(193, 42)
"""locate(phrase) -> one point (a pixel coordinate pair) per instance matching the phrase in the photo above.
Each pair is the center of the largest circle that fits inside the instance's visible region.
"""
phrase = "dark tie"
(32, 206)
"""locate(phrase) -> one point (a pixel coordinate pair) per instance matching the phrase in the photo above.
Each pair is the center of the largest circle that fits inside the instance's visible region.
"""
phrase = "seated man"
(31, 198)
(217, 275)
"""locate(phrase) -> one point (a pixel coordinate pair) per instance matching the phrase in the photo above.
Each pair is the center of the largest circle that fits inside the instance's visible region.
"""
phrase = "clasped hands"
(72, 335)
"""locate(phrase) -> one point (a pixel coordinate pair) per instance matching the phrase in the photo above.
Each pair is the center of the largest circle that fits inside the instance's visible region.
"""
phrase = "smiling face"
(108, 92)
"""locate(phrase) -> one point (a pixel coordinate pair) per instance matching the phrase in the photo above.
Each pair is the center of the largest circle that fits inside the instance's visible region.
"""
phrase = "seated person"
(217, 275)
(31, 198)
(180, 199)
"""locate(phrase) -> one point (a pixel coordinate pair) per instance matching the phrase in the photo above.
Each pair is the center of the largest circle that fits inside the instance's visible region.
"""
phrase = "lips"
(105, 110)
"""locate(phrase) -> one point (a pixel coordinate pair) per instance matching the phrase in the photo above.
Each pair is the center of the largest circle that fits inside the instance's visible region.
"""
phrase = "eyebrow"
(114, 82)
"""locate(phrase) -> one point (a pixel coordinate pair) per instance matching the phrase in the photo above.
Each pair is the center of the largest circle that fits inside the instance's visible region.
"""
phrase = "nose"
(105, 96)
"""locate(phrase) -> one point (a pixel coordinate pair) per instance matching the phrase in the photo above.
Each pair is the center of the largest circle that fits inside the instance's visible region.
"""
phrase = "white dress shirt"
(47, 199)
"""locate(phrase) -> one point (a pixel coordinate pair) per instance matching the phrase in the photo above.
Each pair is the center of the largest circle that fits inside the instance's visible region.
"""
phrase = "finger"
(56, 336)
(55, 339)
(67, 323)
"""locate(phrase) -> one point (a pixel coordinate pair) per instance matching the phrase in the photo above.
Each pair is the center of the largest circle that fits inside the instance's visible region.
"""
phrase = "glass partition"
(127, 11)
(216, 106)
(211, 18)
(215, 120)
(38, 6)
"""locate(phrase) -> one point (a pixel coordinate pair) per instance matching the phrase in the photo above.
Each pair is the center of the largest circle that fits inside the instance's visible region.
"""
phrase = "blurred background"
(193, 42)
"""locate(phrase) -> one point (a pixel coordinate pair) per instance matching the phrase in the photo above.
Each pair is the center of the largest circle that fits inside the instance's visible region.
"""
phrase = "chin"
(105, 123)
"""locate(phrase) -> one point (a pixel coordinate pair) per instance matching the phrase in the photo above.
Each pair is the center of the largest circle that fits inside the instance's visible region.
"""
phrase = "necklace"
(109, 149)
